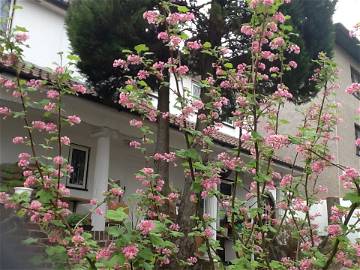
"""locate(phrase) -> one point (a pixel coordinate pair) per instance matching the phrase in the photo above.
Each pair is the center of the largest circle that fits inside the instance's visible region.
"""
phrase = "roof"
(348, 43)
(29, 71)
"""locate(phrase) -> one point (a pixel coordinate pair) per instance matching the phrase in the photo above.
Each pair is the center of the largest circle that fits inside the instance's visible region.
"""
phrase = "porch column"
(211, 206)
(101, 175)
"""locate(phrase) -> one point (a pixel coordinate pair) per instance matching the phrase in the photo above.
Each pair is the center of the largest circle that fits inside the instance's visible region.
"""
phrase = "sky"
(347, 12)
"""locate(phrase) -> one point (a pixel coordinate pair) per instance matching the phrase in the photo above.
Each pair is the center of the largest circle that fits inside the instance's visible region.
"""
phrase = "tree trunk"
(162, 137)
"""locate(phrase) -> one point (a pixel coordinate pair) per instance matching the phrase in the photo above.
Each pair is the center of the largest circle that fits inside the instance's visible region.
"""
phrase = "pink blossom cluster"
(130, 251)
(146, 226)
(277, 141)
(353, 88)
(168, 157)
(176, 18)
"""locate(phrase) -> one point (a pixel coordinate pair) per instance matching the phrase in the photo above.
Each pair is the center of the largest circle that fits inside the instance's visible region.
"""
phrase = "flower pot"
(20, 190)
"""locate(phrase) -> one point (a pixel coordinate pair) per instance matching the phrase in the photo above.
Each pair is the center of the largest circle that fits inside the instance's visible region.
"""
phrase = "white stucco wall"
(48, 37)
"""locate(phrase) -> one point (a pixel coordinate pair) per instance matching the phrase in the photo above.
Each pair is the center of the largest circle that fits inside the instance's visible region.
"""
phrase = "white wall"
(47, 32)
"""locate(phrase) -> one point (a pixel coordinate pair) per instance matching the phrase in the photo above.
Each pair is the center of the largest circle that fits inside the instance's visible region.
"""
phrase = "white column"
(211, 206)
(101, 175)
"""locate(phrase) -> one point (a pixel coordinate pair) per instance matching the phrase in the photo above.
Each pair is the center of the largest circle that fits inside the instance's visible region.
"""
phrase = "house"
(99, 148)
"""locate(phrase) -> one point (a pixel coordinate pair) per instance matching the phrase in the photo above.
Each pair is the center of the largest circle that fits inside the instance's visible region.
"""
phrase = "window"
(355, 78)
(79, 160)
(196, 90)
(357, 136)
(5, 10)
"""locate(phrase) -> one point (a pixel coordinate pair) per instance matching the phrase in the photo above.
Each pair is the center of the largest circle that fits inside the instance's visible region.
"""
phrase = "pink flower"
(77, 239)
(74, 119)
(148, 171)
(59, 70)
(173, 196)
(247, 30)
(30, 181)
(175, 41)
(120, 63)
(35, 205)
(278, 16)
(18, 140)
(135, 144)
(163, 36)
(277, 141)
(146, 226)
(305, 264)
(52, 94)
(136, 123)
(134, 59)
(142, 74)
(208, 232)
(58, 160)
(194, 45)
(294, 48)
(10, 85)
(174, 227)
(353, 88)
(79, 88)
(293, 64)
(182, 70)
(334, 229)
(99, 211)
(151, 16)
(198, 104)
(49, 107)
(65, 140)
(130, 251)
(286, 180)
(268, 2)
(34, 83)
(357, 142)
(21, 37)
(117, 191)
(192, 260)
(50, 127)
(318, 166)
(93, 202)
(159, 65)
(5, 111)
(277, 42)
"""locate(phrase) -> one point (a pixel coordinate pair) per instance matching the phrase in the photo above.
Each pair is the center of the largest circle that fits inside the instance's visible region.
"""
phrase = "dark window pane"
(355, 78)
(78, 161)
(357, 136)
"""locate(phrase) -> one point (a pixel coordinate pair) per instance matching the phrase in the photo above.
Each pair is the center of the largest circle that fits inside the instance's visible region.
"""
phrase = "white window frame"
(195, 84)
(86, 149)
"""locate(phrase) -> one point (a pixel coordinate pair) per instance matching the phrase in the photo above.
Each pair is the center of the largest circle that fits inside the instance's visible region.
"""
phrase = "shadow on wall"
(13, 253)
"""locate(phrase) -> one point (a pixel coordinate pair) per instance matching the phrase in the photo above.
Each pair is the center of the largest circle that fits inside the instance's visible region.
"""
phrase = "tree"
(101, 30)
(153, 241)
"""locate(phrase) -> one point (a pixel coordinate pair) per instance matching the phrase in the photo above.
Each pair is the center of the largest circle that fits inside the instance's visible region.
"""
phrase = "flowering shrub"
(162, 239)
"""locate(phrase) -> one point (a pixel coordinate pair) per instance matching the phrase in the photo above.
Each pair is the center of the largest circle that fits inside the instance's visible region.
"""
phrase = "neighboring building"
(100, 143)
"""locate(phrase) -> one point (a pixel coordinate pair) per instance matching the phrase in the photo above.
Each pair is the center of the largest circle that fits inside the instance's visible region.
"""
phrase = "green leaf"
(277, 265)
(73, 57)
(30, 241)
(114, 231)
(188, 153)
(141, 48)
(207, 45)
(352, 197)
(229, 65)
(116, 215)
(146, 254)
(156, 240)
(44, 196)
(182, 9)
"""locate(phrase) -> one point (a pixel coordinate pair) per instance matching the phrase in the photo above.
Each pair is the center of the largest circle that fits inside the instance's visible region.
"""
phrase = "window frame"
(193, 84)
(86, 149)
(357, 135)
(354, 73)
